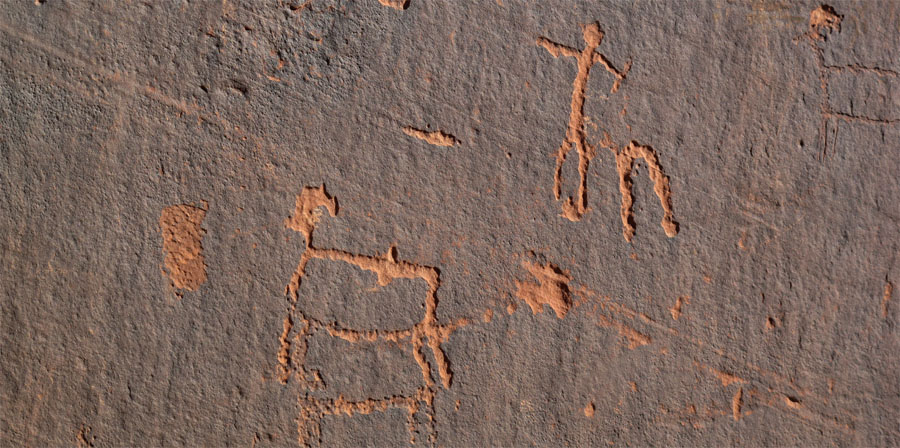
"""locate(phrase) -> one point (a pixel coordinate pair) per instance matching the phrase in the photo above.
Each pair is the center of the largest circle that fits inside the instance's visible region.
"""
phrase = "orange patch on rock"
(399, 5)
(511, 308)
(589, 410)
(736, 403)
(676, 309)
(307, 212)
(437, 138)
(552, 289)
(792, 402)
(727, 378)
(182, 242)
(821, 18)
(886, 298)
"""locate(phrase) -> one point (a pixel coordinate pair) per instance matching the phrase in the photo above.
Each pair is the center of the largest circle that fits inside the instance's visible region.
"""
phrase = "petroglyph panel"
(449, 224)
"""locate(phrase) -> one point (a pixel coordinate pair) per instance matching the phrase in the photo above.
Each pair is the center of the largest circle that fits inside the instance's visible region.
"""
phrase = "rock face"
(339, 223)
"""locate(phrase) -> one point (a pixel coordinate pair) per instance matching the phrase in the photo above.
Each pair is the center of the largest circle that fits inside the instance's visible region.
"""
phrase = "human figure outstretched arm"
(556, 49)
(601, 59)
(620, 76)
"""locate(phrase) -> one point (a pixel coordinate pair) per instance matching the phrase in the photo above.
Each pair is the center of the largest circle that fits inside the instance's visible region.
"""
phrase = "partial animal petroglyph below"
(823, 22)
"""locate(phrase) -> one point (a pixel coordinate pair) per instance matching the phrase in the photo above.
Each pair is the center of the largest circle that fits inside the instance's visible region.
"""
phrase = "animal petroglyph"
(823, 21)
(183, 243)
(574, 208)
(428, 332)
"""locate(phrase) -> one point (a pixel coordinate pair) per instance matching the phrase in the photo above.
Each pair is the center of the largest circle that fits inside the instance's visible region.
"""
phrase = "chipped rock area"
(182, 234)
(442, 223)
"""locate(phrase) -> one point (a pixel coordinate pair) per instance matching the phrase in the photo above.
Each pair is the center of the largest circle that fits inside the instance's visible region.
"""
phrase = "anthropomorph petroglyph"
(823, 21)
(298, 327)
(574, 208)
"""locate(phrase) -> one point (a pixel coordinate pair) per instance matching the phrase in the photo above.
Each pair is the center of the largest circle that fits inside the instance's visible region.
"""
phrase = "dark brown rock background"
(769, 319)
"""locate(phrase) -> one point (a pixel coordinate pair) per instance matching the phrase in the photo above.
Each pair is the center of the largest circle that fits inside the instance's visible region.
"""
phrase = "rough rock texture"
(182, 234)
(703, 197)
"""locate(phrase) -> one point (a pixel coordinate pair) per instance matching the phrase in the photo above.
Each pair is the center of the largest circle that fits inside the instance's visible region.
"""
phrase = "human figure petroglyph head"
(593, 35)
